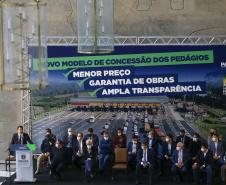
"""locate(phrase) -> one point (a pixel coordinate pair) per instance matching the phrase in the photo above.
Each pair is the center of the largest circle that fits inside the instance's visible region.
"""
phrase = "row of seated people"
(77, 147)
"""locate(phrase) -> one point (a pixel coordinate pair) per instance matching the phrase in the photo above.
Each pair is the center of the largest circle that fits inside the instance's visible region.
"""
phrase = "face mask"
(194, 139)
(89, 146)
(142, 147)
(57, 145)
(69, 133)
(105, 138)
(167, 139)
(178, 148)
(78, 138)
(134, 142)
(150, 136)
(202, 149)
(119, 134)
(90, 135)
(214, 139)
(47, 136)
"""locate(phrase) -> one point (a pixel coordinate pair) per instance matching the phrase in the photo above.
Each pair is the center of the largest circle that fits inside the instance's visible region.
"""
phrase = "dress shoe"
(160, 174)
(91, 175)
(208, 183)
(137, 182)
(150, 183)
(58, 177)
(86, 180)
(195, 183)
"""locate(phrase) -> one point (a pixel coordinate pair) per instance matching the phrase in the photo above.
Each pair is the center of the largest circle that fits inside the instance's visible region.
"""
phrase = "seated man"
(168, 147)
(184, 139)
(217, 147)
(194, 147)
(133, 147)
(78, 147)
(89, 157)
(204, 160)
(213, 131)
(93, 137)
(69, 140)
(145, 159)
(52, 135)
(106, 148)
(46, 147)
(181, 160)
(59, 158)
(152, 142)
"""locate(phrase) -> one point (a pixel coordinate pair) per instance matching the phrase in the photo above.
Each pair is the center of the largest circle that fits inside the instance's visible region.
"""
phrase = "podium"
(24, 162)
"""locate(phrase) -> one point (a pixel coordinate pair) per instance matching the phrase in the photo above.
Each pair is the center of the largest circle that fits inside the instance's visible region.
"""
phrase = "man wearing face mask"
(194, 147)
(78, 147)
(145, 159)
(60, 156)
(106, 148)
(133, 147)
(152, 142)
(51, 134)
(119, 140)
(69, 140)
(93, 137)
(218, 149)
(204, 160)
(168, 147)
(213, 131)
(46, 147)
(89, 159)
(181, 160)
(184, 139)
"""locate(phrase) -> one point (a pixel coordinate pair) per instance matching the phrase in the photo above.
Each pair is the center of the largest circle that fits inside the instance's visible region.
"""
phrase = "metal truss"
(26, 111)
(142, 40)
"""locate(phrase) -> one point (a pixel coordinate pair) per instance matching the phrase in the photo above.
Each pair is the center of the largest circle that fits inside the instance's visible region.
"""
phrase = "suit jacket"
(95, 140)
(210, 139)
(220, 148)
(154, 144)
(165, 150)
(75, 147)
(208, 160)
(186, 157)
(186, 141)
(150, 156)
(130, 146)
(26, 139)
(92, 154)
(65, 140)
(194, 147)
(116, 141)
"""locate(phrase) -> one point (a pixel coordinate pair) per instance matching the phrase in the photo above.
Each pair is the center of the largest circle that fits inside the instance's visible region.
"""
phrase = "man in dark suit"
(168, 147)
(69, 140)
(184, 139)
(217, 147)
(60, 156)
(51, 134)
(204, 160)
(152, 142)
(20, 137)
(93, 137)
(78, 148)
(145, 159)
(181, 160)
(133, 147)
(194, 147)
(89, 158)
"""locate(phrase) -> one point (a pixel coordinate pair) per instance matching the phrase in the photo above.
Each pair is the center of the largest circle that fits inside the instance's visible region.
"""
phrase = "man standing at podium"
(21, 138)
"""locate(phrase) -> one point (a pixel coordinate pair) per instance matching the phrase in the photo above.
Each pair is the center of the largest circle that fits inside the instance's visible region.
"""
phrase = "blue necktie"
(20, 140)
(145, 156)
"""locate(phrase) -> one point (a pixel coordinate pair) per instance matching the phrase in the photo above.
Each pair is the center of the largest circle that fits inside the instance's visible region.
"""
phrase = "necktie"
(20, 141)
(182, 139)
(180, 157)
(145, 156)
